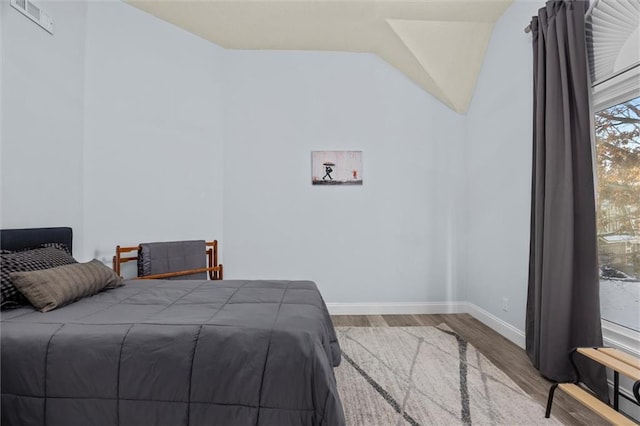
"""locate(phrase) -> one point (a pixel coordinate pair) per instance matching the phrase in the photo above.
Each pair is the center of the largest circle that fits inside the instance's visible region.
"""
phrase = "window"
(613, 47)
(617, 131)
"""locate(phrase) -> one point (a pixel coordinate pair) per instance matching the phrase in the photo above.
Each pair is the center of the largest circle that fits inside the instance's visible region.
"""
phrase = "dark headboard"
(18, 239)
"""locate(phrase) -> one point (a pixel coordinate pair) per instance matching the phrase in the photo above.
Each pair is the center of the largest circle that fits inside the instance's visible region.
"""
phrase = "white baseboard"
(507, 330)
(400, 308)
(408, 308)
(622, 338)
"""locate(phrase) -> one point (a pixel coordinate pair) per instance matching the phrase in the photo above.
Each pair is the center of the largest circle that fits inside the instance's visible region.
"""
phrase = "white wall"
(385, 241)
(3, 11)
(499, 170)
(153, 139)
(42, 118)
(167, 123)
(111, 126)
(166, 136)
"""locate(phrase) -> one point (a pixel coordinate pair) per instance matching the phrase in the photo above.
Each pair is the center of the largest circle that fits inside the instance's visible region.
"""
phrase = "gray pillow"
(51, 288)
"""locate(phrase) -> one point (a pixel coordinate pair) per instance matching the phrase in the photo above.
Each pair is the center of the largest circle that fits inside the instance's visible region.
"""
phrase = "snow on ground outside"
(620, 302)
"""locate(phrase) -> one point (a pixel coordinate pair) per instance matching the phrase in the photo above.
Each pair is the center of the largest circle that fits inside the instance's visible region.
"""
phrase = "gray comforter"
(174, 353)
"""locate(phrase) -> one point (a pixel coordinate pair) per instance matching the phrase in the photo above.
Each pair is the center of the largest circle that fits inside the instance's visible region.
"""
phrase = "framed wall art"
(336, 167)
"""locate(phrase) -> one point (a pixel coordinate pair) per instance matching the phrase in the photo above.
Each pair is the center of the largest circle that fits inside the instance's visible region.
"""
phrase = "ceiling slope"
(439, 44)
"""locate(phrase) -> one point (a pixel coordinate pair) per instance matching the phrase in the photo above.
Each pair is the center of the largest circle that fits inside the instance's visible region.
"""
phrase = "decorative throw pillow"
(59, 246)
(27, 260)
(51, 288)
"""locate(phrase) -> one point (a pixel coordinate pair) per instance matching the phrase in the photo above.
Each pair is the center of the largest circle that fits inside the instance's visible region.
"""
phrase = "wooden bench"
(616, 360)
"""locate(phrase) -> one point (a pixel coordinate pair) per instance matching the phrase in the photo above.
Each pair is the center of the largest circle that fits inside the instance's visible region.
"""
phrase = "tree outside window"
(617, 130)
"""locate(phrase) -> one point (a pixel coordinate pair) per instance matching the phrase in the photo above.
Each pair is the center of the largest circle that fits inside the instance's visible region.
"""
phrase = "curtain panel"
(563, 303)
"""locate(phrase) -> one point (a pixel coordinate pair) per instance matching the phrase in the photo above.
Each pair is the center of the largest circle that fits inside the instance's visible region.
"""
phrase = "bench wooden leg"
(550, 400)
(616, 391)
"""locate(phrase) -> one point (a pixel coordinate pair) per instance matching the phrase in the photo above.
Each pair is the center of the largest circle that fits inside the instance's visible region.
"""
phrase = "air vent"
(35, 13)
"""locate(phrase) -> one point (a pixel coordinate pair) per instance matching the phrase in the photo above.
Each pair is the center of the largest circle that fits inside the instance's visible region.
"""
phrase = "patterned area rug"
(426, 376)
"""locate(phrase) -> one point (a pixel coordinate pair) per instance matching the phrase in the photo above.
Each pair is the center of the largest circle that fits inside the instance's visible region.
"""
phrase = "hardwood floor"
(503, 353)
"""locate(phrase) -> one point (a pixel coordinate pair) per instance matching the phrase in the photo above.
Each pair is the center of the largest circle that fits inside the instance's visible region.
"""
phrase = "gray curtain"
(563, 304)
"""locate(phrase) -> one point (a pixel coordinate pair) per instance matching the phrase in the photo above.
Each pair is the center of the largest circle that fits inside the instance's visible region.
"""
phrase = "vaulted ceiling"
(439, 44)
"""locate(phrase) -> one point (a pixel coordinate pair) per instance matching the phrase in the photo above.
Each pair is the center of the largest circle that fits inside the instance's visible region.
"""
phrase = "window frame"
(621, 87)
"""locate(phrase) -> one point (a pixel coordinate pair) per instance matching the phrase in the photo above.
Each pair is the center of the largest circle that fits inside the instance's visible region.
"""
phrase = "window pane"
(618, 167)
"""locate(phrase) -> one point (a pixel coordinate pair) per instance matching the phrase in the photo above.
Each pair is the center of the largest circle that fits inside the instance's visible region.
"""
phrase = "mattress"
(174, 353)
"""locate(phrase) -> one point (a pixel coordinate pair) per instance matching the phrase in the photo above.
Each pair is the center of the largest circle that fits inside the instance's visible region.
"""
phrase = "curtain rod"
(592, 6)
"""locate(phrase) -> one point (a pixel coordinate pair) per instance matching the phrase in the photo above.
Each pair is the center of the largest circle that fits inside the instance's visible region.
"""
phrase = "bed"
(174, 353)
